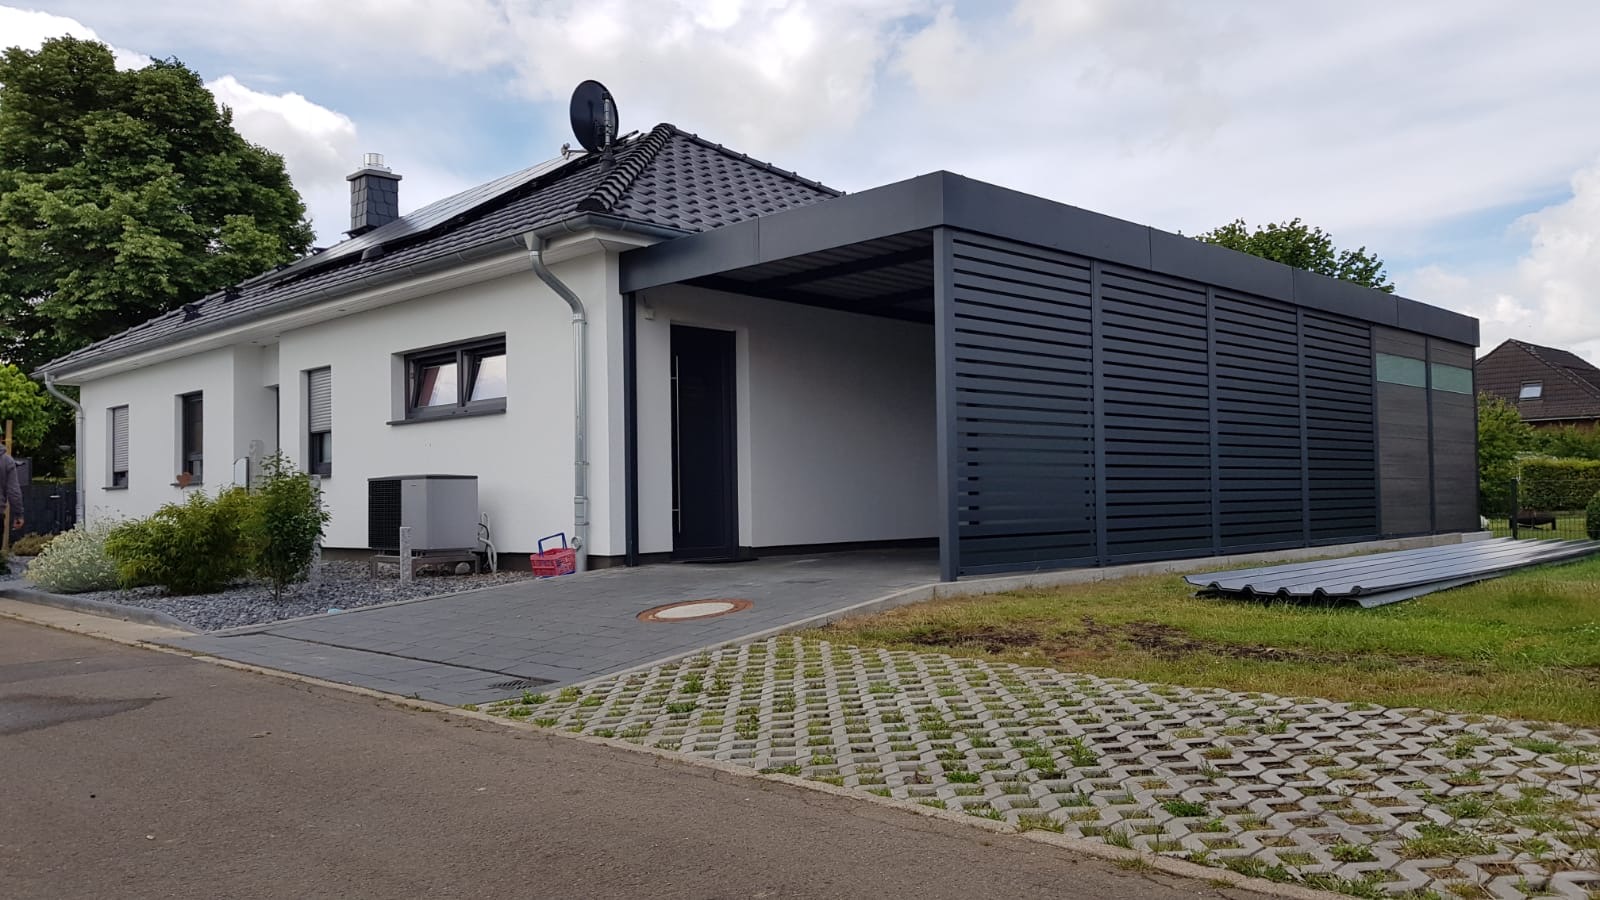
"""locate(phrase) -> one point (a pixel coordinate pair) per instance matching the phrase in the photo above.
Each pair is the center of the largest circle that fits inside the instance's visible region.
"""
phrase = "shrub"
(75, 561)
(1558, 484)
(1591, 518)
(196, 547)
(30, 544)
(286, 519)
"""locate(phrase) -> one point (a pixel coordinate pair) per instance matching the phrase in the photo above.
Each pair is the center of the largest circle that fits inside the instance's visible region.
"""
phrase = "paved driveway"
(484, 645)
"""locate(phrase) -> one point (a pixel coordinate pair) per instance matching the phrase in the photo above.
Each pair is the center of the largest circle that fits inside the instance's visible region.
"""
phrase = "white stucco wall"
(523, 458)
(151, 395)
(835, 415)
(836, 421)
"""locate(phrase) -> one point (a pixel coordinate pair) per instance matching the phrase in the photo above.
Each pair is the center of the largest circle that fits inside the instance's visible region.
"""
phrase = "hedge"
(1559, 484)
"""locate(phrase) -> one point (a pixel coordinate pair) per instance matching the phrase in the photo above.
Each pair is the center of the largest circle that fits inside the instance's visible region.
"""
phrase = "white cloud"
(1551, 295)
(1379, 121)
(319, 146)
(30, 28)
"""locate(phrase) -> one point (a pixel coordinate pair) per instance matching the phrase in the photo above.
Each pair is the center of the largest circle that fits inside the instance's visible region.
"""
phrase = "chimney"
(374, 195)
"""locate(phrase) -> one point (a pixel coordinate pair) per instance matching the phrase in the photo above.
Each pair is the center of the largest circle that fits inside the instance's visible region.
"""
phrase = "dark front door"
(704, 485)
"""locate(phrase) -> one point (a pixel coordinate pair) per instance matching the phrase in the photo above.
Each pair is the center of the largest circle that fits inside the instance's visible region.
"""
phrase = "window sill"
(189, 485)
(459, 413)
(114, 487)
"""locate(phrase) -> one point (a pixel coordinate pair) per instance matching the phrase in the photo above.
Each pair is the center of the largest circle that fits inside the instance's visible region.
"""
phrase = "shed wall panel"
(1103, 413)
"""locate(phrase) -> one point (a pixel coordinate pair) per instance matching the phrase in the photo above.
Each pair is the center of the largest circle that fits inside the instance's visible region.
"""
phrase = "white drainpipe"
(580, 406)
(77, 454)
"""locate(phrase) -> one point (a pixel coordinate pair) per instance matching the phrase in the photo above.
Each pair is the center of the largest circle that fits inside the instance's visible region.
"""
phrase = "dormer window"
(1531, 390)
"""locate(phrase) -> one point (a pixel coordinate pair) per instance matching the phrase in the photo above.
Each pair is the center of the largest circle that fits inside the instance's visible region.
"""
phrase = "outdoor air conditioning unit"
(440, 510)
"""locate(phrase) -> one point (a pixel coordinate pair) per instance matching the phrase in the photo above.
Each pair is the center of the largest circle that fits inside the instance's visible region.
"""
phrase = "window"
(462, 379)
(319, 421)
(1402, 370)
(191, 435)
(1452, 379)
(119, 446)
(1531, 390)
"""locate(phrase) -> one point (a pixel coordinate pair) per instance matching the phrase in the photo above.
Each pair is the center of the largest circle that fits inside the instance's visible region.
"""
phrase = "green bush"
(30, 544)
(1591, 518)
(286, 519)
(1558, 484)
(75, 561)
(196, 547)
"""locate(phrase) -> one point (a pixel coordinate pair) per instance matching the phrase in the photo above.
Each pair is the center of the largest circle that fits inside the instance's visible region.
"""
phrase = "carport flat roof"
(947, 200)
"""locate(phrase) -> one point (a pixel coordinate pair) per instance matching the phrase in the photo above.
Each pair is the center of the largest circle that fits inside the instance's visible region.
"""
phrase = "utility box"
(440, 510)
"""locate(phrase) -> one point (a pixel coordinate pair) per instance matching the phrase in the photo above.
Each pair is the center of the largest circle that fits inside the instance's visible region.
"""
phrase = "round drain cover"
(689, 610)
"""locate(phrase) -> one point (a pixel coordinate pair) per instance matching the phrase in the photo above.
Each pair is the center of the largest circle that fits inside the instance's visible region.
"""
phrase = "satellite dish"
(594, 116)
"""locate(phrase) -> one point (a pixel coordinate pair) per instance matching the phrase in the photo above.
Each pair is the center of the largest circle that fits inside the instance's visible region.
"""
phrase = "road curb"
(1151, 862)
(95, 608)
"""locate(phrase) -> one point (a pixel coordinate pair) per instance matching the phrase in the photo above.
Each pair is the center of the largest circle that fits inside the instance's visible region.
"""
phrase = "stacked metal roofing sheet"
(1382, 578)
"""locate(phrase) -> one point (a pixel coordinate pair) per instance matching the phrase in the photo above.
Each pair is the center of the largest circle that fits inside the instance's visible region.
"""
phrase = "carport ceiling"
(890, 276)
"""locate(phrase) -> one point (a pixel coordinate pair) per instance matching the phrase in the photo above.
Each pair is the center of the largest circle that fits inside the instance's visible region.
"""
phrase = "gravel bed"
(342, 586)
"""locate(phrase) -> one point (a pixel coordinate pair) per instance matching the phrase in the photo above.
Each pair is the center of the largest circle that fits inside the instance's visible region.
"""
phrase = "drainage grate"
(520, 684)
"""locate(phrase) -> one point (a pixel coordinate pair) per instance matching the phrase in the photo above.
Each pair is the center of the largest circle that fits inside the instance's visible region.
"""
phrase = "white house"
(686, 352)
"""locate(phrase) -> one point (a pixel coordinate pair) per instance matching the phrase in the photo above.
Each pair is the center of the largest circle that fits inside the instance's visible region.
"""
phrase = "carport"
(1103, 392)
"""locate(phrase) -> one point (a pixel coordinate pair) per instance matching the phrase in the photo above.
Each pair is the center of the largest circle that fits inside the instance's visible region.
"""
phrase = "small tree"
(286, 521)
(1502, 435)
(1591, 518)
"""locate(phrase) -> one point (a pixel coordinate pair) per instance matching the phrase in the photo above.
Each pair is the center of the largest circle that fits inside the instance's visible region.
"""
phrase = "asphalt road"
(131, 774)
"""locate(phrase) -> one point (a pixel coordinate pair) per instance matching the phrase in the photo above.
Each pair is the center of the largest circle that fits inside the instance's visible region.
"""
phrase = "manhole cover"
(688, 610)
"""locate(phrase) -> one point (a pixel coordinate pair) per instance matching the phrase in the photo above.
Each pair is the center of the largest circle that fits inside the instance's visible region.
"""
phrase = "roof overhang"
(576, 236)
(944, 199)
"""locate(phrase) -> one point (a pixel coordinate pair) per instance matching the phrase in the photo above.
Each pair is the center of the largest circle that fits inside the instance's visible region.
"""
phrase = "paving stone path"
(1368, 800)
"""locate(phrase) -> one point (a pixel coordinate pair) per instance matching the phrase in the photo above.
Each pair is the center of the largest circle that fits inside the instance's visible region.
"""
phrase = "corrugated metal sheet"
(1387, 577)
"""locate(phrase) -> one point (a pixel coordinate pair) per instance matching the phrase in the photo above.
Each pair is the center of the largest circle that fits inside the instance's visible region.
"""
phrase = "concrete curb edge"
(95, 608)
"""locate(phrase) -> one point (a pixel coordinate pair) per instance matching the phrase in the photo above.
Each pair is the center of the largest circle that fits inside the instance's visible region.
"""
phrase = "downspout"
(580, 406)
(77, 450)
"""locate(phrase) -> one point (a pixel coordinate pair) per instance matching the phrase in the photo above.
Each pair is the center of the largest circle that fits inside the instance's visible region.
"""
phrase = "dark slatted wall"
(1155, 409)
(1100, 414)
(1258, 423)
(1024, 451)
(1341, 458)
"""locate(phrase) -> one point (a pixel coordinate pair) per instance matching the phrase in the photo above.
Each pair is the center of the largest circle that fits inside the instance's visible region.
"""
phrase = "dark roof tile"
(666, 178)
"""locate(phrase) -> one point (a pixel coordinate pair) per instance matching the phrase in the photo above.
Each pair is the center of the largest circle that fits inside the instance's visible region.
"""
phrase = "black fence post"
(1516, 505)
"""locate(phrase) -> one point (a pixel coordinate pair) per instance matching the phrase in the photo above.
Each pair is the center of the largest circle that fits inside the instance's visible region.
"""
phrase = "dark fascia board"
(949, 200)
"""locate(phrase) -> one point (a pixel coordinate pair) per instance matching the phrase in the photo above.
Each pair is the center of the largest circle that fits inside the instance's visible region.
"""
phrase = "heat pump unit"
(440, 510)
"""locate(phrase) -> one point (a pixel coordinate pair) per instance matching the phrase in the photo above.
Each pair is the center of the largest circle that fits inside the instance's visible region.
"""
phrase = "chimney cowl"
(374, 195)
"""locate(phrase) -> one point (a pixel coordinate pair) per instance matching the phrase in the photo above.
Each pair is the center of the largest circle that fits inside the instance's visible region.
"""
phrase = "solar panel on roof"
(426, 217)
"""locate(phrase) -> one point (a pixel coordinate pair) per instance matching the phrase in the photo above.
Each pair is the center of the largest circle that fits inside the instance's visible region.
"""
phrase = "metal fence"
(50, 508)
(1507, 516)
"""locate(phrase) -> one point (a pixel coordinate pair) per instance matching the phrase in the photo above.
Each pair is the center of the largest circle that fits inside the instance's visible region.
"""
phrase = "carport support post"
(944, 339)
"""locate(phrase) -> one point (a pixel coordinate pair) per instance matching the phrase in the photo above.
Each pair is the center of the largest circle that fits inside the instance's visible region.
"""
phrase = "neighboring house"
(1549, 387)
(772, 365)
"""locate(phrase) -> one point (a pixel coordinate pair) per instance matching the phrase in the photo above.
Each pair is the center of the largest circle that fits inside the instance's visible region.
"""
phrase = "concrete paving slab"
(453, 649)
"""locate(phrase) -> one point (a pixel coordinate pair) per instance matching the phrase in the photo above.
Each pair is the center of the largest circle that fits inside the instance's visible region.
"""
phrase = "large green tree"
(1297, 244)
(124, 194)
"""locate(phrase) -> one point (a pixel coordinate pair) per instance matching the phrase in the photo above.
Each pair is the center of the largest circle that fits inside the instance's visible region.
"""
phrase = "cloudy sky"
(1456, 138)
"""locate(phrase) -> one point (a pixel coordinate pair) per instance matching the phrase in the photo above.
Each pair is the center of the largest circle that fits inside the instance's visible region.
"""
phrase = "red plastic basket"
(562, 561)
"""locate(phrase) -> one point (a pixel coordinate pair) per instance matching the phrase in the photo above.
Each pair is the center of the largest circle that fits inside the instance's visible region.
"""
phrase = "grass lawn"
(1525, 646)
